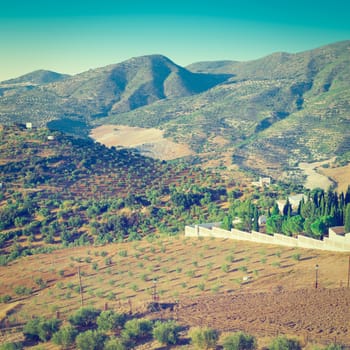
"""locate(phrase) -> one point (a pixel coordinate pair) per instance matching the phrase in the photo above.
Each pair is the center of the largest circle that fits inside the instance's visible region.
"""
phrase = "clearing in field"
(150, 142)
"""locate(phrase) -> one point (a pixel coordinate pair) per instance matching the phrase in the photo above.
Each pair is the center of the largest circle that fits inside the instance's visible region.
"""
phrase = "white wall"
(333, 243)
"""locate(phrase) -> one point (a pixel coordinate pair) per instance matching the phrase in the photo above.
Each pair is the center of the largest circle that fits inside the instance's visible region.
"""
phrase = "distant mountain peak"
(38, 77)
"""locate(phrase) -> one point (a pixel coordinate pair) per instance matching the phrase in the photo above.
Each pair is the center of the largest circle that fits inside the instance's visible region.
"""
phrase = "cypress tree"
(256, 219)
(287, 210)
(347, 196)
(347, 219)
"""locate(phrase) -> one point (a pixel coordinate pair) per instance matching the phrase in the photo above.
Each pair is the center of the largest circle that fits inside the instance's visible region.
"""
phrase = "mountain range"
(266, 115)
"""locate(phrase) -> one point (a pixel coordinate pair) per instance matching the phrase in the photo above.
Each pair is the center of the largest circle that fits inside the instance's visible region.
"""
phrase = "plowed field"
(320, 315)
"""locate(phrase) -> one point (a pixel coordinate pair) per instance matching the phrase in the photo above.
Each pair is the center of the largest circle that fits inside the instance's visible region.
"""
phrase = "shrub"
(296, 256)
(284, 343)
(90, 340)
(166, 333)
(110, 320)
(84, 317)
(225, 268)
(239, 341)
(65, 336)
(11, 346)
(5, 298)
(22, 290)
(334, 347)
(204, 338)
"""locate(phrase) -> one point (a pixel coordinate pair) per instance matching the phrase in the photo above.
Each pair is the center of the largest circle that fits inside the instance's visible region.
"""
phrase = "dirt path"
(150, 142)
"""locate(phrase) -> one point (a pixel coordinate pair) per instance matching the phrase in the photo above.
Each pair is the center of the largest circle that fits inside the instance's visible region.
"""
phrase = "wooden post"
(81, 288)
(349, 272)
(130, 306)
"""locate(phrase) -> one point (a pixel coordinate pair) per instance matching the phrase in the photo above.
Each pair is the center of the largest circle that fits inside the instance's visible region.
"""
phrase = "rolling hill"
(266, 115)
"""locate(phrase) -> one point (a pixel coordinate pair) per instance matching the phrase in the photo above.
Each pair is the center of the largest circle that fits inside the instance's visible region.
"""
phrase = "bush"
(5, 298)
(11, 346)
(283, 343)
(65, 336)
(204, 338)
(84, 317)
(110, 320)
(334, 347)
(240, 341)
(90, 340)
(40, 329)
(166, 332)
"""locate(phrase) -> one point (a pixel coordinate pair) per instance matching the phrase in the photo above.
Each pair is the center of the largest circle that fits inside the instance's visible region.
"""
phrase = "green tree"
(114, 344)
(137, 329)
(110, 320)
(292, 225)
(204, 338)
(227, 222)
(84, 317)
(274, 224)
(90, 340)
(287, 209)
(65, 336)
(240, 341)
(40, 328)
(284, 343)
(255, 219)
(166, 333)
(347, 218)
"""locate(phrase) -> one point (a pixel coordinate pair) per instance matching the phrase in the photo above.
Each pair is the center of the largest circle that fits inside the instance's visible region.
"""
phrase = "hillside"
(266, 115)
(272, 114)
(57, 191)
(98, 92)
(81, 223)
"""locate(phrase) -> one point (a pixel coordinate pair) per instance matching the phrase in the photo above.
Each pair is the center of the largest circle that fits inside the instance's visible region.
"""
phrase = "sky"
(76, 35)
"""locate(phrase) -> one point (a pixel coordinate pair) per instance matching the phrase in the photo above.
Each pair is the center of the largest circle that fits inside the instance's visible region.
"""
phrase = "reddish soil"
(316, 315)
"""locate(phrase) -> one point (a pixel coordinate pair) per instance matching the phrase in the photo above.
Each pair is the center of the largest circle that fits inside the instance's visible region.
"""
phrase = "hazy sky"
(75, 35)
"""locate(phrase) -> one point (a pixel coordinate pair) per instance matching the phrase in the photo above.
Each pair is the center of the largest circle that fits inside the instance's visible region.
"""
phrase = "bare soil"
(340, 175)
(317, 315)
(150, 141)
(225, 284)
(314, 178)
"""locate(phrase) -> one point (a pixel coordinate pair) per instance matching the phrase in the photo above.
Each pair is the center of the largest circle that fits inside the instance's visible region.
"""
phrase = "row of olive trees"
(91, 329)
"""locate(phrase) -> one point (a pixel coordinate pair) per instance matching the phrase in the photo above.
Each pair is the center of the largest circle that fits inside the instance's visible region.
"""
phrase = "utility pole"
(81, 288)
(316, 277)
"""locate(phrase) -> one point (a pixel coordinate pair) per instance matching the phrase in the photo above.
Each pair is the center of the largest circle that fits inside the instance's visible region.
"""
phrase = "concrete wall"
(332, 243)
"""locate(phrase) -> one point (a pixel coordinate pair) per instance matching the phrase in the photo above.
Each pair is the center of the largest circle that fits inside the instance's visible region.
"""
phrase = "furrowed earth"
(228, 285)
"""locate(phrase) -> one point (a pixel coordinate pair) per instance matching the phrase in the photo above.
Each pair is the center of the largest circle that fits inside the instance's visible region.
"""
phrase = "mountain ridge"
(283, 108)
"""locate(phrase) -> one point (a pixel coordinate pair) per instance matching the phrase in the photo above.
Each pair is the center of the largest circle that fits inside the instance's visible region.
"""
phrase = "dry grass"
(340, 175)
(149, 138)
(117, 273)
